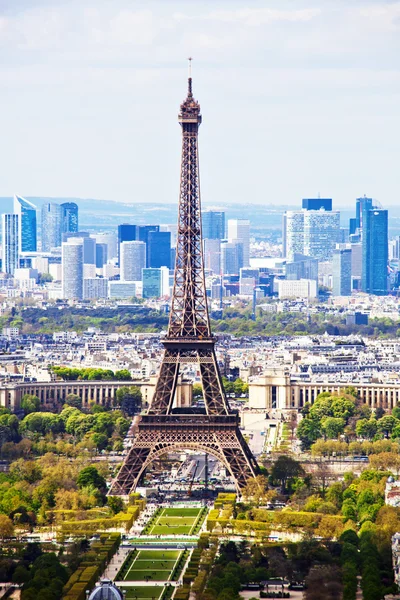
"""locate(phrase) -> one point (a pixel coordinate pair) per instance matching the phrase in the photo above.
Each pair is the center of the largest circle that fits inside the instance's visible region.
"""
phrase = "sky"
(298, 97)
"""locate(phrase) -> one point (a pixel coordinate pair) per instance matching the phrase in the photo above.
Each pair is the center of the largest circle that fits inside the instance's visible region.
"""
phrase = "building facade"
(341, 272)
(10, 242)
(69, 217)
(51, 226)
(72, 269)
(375, 252)
(27, 234)
(321, 233)
(239, 232)
(132, 260)
(158, 249)
(213, 225)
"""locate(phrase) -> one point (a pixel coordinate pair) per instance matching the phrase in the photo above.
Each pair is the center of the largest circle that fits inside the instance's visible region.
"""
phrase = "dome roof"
(106, 591)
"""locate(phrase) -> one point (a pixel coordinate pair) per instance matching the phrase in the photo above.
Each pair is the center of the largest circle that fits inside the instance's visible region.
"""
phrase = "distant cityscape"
(52, 258)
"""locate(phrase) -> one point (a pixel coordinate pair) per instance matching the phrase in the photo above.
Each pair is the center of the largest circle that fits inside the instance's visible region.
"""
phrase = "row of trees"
(73, 374)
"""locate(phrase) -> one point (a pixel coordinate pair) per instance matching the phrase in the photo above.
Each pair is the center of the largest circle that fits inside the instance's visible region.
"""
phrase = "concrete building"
(212, 255)
(95, 288)
(52, 395)
(277, 390)
(239, 232)
(132, 260)
(302, 288)
(72, 268)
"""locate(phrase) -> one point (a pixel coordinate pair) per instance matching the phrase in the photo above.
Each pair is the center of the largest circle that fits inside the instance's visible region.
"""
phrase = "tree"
(89, 476)
(6, 527)
(308, 431)
(74, 400)
(333, 426)
(30, 404)
(129, 399)
(21, 575)
(323, 583)
(366, 428)
(197, 390)
(123, 375)
(386, 424)
(284, 469)
(116, 504)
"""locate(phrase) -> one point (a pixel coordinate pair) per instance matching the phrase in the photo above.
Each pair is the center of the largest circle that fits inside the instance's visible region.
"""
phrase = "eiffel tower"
(189, 341)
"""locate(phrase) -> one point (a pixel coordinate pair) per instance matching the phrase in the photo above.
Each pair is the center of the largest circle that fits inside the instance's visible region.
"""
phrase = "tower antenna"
(190, 75)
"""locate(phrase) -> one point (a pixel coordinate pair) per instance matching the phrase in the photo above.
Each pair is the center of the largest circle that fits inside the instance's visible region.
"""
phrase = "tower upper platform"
(190, 108)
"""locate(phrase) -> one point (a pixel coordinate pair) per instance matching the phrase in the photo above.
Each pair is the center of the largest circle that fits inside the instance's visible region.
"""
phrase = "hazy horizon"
(297, 99)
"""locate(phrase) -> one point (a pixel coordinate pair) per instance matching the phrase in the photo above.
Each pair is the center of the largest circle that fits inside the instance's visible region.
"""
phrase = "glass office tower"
(374, 278)
(26, 212)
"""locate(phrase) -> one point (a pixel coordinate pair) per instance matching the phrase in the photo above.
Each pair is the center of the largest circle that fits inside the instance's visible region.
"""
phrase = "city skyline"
(321, 77)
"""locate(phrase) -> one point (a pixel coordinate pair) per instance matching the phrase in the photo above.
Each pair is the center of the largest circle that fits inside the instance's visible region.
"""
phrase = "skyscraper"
(239, 231)
(101, 255)
(362, 204)
(72, 268)
(158, 249)
(126, 233)
(51, 226)
(375, 251)
(317, 203)
(213, 225)
(133, 260)
(341, 271)
(231, 258)
(321, 233)
(10, 242)
(293, 233)
(26, 212)
(143, 236)
(69, 217)
(212, 255)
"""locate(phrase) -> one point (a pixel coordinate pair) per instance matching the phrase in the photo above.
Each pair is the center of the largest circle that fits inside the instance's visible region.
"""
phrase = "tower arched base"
(158, 435)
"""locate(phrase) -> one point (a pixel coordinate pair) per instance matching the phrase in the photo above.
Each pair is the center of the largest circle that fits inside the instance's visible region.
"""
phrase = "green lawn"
(143, 592)
(152, 565)
(175, 521)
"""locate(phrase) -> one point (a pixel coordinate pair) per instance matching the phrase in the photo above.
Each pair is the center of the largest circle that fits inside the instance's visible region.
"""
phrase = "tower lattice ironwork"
(189, 340)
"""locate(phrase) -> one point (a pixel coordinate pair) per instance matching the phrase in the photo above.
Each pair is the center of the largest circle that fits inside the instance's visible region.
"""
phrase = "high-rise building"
(213, 225)
(362, 204)
(352, 226)
(143, 236)
(159, 249)
(239, 231)
(72, 268)
(69, 217)
(133, 260)
(231, 258)
(293, 234)
(212, 255)
(10, 242)
(302, 267)
(26, 212)
(341, 271)
(51, 226)
(94, 288)
(101, 255)
(110, 239)
(155, 282)
(321, 233)
(126, 233)
(317, 203)
(375, 251)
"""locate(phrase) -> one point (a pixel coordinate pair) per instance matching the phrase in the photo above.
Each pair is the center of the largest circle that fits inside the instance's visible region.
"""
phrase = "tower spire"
(190, 77)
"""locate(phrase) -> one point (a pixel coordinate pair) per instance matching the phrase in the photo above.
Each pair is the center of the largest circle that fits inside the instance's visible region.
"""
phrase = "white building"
(72, 268)
(302, 288)
(212, 255)
(94, 288)
(321, 233)
(110, 239)
(132, 260)
(293, 233)
(239, 231)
